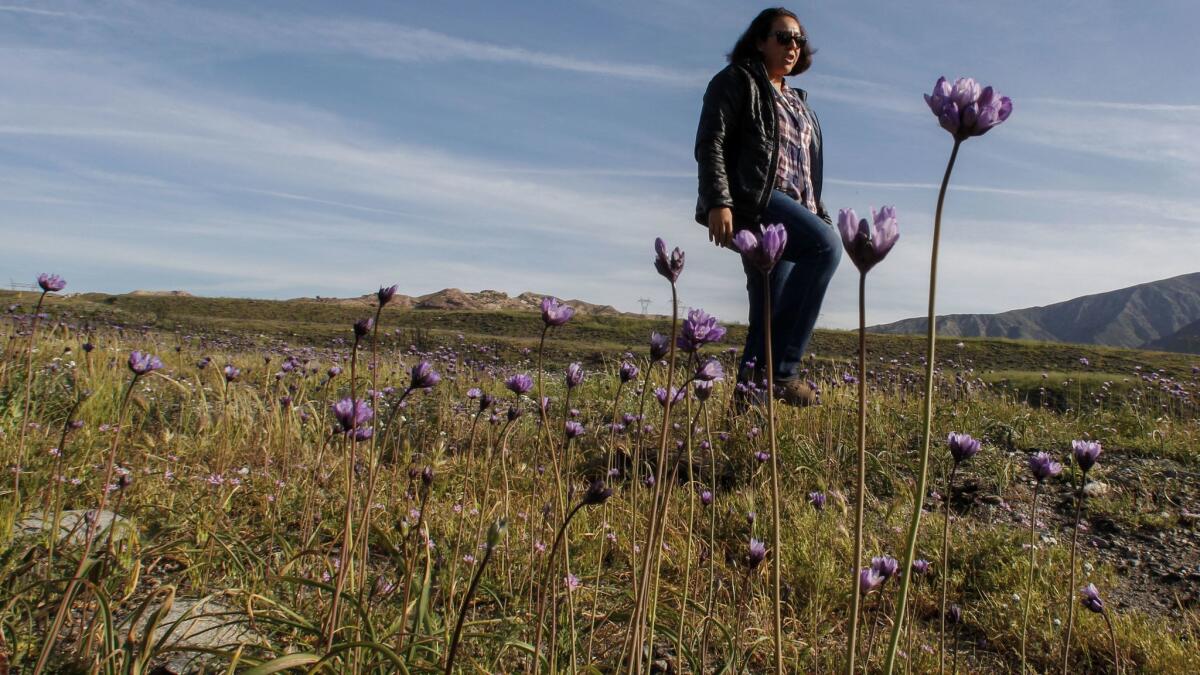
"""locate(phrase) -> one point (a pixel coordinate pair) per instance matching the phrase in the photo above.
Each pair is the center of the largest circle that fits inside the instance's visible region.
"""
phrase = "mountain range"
(1160, 315)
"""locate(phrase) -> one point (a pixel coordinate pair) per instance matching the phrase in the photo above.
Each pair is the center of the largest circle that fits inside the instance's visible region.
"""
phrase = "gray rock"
(72, 526)
(207, 623)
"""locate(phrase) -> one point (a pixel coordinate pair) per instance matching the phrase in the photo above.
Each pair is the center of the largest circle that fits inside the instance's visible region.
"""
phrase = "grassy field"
(236, 489)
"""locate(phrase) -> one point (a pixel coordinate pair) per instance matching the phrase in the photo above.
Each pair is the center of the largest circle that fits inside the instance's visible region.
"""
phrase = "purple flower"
(574, 375)
(869, 579)
(661, 394)
(362, 327)
(1090, 598)
(385, 295)
(573, 429)
(597, 493)
(886, 566)
(706, 497)
(756, 554)
(710, 370)
(474, 393)
(962, 447)
(555, 313)
(762, 251)
(1083, 361)
(486, 401)
(143, 362)
(954, 614)
(628, 371)
(1086, 453)
(351, 414)
(659, 344)
(762, 456)
(1043, 466)
(867, 245)
(519, 383)
(668, 266)
(703, 389)
(231, 373)
(964, 110)
(921, 566)
(427, 476)
(333, 371)
(423, 376)
(698, 330)
(817, 499)
(51, 283)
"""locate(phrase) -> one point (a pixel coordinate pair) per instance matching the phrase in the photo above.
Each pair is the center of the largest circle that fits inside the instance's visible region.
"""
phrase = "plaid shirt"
(794, 175)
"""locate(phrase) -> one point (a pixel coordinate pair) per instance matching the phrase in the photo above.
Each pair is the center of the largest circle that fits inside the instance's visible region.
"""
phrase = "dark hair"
(759, 30)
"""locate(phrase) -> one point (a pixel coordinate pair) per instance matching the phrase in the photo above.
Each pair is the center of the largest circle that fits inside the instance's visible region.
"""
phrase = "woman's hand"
(720, 225)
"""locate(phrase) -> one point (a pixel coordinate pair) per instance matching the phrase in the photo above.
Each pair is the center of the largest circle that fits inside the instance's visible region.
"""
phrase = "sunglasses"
(785, 38)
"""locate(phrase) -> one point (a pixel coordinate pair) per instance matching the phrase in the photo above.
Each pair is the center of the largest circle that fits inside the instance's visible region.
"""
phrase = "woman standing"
(759, 152)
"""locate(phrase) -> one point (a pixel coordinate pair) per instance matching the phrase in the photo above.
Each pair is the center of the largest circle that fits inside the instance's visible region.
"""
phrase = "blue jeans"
(798, 285)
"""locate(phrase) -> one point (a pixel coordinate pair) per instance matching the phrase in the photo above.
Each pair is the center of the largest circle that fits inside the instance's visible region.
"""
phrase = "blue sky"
(286, 149)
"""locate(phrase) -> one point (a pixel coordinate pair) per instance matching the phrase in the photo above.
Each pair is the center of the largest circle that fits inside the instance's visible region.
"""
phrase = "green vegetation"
(238, 491)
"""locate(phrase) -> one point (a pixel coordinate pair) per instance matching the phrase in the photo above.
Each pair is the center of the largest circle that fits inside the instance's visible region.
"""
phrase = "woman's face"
(780, 58)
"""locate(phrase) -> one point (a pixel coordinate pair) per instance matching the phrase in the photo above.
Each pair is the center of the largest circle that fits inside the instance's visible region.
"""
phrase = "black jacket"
(736, 144)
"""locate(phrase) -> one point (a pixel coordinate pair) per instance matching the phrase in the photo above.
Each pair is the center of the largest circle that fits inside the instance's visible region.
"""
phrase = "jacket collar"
(760, 71)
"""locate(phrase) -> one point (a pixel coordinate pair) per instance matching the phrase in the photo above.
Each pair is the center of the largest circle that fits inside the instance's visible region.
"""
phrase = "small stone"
(72, 526)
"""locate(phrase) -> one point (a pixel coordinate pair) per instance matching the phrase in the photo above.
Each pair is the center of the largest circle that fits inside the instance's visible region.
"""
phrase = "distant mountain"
(1186, 340)
(1163, 315)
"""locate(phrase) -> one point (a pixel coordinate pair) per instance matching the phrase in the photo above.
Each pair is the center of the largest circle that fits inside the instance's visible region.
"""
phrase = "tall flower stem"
(612, 438)
(65, 604)
(1071, 585)
(545, 417)
(1032, 566)
(927, 419)
(637, 634)
(28, 402)
(1112, 638)
(860, 497)
(946, 565)
(635, 479)
(462, 613)
(547, 589)
(347, 552)
(776, 521)
(373, 450)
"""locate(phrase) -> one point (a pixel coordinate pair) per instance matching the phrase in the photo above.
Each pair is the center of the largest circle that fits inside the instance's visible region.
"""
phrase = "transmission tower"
(645, 304)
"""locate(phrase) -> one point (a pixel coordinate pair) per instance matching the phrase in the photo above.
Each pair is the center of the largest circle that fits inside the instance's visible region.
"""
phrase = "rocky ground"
(1142, 517)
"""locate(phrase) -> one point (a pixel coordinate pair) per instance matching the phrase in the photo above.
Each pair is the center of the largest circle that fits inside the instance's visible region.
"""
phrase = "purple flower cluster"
(764, 250)
(142, 363)
(1086, 453)
(698, 330)
(670, 266)
(962, 447)
(965, 110)
(1043, 466)
(867, 245)
(555, 313)
(51, 283)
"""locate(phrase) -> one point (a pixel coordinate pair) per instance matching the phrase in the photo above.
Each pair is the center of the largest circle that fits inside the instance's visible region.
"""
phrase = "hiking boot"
(795, 393)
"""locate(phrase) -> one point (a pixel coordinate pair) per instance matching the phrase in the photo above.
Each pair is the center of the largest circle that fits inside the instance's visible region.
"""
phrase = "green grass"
(270, 540)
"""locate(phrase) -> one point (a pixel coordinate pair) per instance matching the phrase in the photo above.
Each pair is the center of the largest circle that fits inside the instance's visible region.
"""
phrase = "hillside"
(453, 298)
(1146, 315)
(1185, 340)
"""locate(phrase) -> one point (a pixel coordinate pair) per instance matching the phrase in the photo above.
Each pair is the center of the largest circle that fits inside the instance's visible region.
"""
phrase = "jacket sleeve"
(718, 119)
